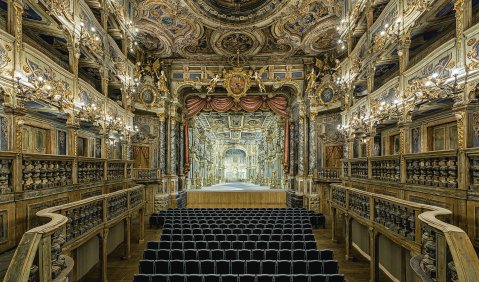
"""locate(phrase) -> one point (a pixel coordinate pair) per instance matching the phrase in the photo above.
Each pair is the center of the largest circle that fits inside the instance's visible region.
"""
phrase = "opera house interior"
(239, 140)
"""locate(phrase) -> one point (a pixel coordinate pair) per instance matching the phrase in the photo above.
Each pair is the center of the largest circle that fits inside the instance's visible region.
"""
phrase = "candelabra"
(89, 112)
(89, 37)
(386, 111)
(435, 86)
(38, 88)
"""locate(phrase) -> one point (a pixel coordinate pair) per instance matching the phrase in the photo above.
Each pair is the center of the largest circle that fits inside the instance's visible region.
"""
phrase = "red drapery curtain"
(278, 104)
(195, 104)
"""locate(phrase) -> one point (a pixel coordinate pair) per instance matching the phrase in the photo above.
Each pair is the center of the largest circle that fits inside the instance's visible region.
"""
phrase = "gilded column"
(15, 28)
(104, 73)
(313, 150)
(463, 14)
(162, 144)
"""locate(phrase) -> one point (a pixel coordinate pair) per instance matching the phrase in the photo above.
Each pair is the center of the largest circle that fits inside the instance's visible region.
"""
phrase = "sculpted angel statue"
(215, 79)
(311, 80)
(163, 83)
(257, 77)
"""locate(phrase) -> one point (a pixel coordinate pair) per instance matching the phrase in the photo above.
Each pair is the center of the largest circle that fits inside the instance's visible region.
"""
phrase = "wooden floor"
(123, 270)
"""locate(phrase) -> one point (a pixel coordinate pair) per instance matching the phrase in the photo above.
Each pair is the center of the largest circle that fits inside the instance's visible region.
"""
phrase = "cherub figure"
(258, 79)
(213, 82)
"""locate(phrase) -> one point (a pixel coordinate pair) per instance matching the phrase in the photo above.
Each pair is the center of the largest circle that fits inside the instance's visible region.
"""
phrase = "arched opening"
(236, 165)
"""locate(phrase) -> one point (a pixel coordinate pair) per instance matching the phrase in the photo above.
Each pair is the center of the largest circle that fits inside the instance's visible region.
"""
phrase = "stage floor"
(234, 187)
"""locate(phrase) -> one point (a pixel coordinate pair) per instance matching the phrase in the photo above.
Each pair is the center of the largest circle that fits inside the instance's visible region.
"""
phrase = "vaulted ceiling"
(212, 29)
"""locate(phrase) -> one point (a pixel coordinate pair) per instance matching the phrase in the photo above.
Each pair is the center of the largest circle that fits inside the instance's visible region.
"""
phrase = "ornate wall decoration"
(327, 94)
(6, 56)
(473, 54)
(148, 96)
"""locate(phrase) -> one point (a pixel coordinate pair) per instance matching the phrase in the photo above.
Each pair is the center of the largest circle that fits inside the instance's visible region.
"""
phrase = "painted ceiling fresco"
(211, 29)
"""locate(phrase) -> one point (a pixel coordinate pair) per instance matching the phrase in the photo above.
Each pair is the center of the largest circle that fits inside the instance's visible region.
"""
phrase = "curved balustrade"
(40, 254)
(443, 252)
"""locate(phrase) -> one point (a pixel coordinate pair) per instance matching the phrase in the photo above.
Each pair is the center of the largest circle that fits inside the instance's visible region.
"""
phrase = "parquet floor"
(121, 270)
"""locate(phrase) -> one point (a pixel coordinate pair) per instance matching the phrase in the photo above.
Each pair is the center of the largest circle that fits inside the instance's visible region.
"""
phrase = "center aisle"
(254, 245)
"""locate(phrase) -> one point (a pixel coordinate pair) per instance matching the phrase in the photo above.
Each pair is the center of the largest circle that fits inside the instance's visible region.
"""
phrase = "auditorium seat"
(240, 245)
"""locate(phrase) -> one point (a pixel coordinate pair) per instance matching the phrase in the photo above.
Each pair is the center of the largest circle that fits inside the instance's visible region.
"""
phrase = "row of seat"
(226, 223)
(249, 245)
(238, 237)
(238, 267)
(243, 254)
(239, 278)
(238, 231)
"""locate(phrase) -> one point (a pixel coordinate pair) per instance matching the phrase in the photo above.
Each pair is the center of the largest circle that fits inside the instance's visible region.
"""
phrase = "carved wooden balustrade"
(91, 170)
(46, 171)
(473, 159)
(385, 168)
(146, 174)
(6, 172)
(329, 173)
(437, 169)
(359, 168)
(442, 252)
(42, 252)
(345, 166)
(116, 170)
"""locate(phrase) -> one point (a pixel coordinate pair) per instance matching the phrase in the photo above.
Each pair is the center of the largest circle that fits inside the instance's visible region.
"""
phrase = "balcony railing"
(437, 169)
(40, 257)
(329, 173)
(359, 168)
(473, 158)
(146, 174)
(442, 252)
(386, 168)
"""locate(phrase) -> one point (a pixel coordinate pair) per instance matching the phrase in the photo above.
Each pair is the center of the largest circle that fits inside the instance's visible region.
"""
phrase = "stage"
(236, 195)
(235, 187)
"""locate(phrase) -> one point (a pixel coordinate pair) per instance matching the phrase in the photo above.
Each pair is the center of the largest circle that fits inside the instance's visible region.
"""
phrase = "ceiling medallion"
(237, 41)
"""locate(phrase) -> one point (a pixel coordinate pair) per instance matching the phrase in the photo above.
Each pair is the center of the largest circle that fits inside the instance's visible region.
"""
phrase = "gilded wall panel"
(6, 54)
(441, 61)
(472, 48)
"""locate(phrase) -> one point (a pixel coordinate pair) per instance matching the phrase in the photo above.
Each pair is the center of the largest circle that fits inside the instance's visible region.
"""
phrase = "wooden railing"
(432, 169)
(40, 254)
(33, 172)
(386, 168)
(437, 169)
(333, 174)
(442, 252)
(146, 174)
